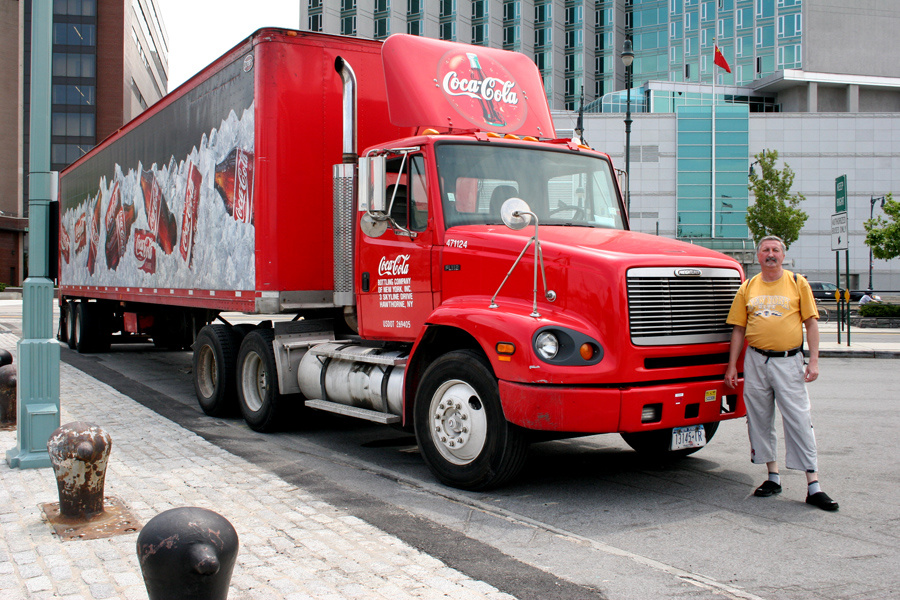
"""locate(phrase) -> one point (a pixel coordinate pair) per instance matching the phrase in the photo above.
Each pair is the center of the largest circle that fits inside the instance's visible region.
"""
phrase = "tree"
(882, 235)
(775, 211)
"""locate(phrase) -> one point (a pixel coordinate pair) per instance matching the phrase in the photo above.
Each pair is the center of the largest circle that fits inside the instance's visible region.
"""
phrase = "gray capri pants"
(771, 380)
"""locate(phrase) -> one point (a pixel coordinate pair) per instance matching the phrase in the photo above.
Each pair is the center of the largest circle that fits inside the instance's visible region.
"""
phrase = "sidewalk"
(292, 546)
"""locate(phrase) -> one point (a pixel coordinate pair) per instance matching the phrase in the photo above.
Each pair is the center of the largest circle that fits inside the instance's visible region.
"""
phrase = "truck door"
(395, 290)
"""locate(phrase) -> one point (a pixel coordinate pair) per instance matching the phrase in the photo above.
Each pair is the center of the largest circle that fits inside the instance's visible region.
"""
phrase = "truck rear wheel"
(214, 364)
(656, 443)
(463, 435)
(90, 328)
(257, 381)
(70, 323)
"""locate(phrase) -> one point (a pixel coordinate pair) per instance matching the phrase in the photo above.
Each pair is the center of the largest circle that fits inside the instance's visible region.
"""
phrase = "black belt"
(778, 353)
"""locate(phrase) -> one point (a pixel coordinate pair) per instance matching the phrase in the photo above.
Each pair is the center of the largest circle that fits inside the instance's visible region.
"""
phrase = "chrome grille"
(665, 309)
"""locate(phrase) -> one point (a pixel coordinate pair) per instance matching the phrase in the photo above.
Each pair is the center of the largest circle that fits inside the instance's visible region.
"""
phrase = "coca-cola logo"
(396, 266)
(153, 209)
(143, 244)
(481, 90)
(242, 193)
(80, 238)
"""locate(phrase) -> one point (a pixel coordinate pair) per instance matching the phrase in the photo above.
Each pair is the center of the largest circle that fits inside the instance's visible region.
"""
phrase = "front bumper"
(619, 410)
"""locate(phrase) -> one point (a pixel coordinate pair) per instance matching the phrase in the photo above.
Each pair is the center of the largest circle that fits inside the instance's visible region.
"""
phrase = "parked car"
(824, 290)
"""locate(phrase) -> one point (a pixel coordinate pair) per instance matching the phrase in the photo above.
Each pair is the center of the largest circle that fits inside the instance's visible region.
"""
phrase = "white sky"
(202, 30)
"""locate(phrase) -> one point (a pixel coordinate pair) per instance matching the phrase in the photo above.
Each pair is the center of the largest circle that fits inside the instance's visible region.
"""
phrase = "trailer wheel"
(656, 443)
(214, 362)
(463, 435)
(71, 307)
(257, 381)
(91, 329)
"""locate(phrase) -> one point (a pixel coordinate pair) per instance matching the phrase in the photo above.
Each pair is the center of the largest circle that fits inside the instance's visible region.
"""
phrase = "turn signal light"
(587, 351)
(431, 132)
(505, 350)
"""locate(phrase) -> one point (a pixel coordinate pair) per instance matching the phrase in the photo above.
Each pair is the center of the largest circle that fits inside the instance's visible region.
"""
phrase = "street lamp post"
(872, 202)
(627, 59)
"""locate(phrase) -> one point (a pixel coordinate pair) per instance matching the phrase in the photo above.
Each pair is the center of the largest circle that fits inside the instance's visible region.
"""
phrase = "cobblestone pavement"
(292, 545)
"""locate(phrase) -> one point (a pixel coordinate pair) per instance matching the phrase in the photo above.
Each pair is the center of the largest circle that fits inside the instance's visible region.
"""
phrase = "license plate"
(692, 436)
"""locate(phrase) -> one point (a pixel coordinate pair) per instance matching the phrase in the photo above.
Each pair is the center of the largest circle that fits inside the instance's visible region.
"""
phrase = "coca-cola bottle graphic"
(64, 242)
(487, 106)
(94, 242)
(145, 250)
(160, 219)
(80, 233)
(119, 219)
(189, 216)
(234, 182)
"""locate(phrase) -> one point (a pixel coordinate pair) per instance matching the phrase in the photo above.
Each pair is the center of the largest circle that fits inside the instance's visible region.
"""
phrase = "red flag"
(720, 60)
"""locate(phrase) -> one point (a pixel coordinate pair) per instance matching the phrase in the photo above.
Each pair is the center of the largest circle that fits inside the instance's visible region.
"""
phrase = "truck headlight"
(547, 345)
(564, 346)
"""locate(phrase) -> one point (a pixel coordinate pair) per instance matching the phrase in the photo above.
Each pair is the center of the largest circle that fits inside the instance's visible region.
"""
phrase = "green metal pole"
(38, 375)
(840, 315)
(847, 258)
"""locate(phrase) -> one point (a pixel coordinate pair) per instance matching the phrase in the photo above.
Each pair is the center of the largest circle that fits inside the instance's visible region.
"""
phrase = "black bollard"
(5, 357)
(8, 384)
(79, 452)
(187, 553)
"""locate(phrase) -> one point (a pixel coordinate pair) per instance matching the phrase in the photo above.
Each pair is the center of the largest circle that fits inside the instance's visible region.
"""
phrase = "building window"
(448, 8)
(414, 27)
(348, 25)
(381, 28)
(315, 22)
(448, 31)
(78, 8)
(348, 4)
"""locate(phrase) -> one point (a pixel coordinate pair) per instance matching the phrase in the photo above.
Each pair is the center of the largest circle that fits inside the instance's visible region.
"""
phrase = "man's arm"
(734, 350)
(812, 341)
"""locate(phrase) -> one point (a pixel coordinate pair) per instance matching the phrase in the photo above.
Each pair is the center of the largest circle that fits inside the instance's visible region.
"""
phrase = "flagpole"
(713, 199)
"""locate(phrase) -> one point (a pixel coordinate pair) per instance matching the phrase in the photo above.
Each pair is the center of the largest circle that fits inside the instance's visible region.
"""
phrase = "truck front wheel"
(214, 370)
(657, 442)
(463, 435)
(257, 381)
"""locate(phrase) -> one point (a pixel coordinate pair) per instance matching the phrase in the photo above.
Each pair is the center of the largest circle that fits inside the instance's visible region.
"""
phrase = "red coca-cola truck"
(454, 269)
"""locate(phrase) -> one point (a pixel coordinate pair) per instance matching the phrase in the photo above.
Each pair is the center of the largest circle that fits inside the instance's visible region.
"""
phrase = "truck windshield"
(561, 187)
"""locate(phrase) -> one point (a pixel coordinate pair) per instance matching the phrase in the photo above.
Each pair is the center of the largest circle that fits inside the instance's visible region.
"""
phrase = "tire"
(71, 307)
(257, 382)
(214, 364)
(656, 443)
(90, 328)
(462, 433)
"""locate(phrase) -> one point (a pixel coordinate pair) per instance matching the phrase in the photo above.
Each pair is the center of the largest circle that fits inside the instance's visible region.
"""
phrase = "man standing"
(770, 310)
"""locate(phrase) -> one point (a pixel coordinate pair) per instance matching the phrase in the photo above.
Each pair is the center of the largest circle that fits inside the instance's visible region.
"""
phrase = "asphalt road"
(589, 518)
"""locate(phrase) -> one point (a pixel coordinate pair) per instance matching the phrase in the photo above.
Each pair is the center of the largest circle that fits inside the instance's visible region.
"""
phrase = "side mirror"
(515, 213)
(372, 178)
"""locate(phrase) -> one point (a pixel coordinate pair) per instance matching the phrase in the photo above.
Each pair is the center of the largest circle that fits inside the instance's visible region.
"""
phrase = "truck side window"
(418, 194)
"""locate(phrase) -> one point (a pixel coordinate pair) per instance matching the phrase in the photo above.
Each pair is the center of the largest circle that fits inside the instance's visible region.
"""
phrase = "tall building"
(817, 80)
(110, 62)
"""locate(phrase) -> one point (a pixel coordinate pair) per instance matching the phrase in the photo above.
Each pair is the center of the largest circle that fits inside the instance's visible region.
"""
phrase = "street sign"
(839, 231)
(840, 195)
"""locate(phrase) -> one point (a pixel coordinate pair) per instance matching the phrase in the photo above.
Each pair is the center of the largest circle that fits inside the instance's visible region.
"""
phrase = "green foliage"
(883, 235)
(775, 211)
(873, 309)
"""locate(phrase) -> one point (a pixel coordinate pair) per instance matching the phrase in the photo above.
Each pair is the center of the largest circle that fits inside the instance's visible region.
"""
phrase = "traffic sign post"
(840, 234)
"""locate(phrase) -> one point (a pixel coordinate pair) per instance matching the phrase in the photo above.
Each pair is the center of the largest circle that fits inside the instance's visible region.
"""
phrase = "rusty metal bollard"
(8, 385)
(187, 553)
(79, 452)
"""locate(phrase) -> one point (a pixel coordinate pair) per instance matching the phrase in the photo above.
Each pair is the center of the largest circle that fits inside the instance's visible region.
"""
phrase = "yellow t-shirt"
(773, 311)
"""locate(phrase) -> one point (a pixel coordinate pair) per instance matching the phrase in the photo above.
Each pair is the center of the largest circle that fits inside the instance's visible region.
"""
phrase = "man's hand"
(812, 370)
(731, 376)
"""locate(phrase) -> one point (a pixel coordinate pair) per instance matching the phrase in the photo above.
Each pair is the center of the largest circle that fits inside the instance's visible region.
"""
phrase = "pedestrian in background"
(769, 311)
